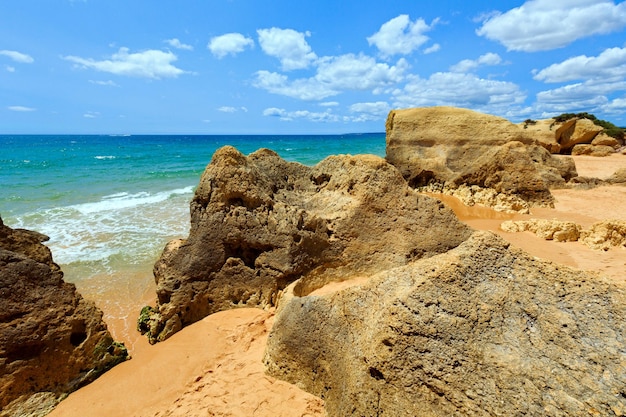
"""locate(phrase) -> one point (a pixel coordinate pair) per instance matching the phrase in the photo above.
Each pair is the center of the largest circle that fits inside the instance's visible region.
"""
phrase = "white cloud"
(609, 65)
(467, 65)
(18, 56)
(91, 115)
(9, 68)
(461, 90)
(175, 43)
(334, 75)
(590, 96)
(152, 64)
(21, 108)
(329, 104)
(105, 83)
(229, 44)
(541, 25)
(617, 106)
(285, 115)
(400, 36)
(370, 111)
(229, 109)
(431, 49)
(289, 46)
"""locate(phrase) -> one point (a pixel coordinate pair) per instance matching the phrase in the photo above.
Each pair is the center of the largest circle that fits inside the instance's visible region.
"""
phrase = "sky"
(301, 67)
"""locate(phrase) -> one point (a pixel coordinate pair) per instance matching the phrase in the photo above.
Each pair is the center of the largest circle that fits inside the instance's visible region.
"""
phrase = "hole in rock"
(376, 374)
(244, 251)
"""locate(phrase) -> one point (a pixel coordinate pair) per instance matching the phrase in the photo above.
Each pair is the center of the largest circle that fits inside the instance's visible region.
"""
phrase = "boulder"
(452, 148)
(482, 330)
(52, 341)
(605, 140)
(592, 150)
(581, 131)
(618, 177)
(544, 132)
(259, 223)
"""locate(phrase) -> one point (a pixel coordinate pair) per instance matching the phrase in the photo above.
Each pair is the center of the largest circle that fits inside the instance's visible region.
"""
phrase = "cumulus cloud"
(21, 108)
(467, 65)
(175, 43)
(588, 96)
(461, 90)
(609, 65)
(152, 64)
(370, 111)
(431, 49)
(289, 46)
(329, 104)
(334, 75)
(616, 106)
(285, 115)
(541, 25)
(229, 44)
(400, 36)
(18, 56)
(230, 109)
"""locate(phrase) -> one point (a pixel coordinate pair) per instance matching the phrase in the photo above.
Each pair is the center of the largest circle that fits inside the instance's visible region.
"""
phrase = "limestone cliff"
(259, 223)
(452, 150)
(482, 330)
(52, 340)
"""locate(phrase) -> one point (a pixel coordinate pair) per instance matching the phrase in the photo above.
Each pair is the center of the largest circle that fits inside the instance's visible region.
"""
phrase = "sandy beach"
(213, 368)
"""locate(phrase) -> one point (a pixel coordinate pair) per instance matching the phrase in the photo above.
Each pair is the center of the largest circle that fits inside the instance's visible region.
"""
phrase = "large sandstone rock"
(482, 330)
(259, 223)
(52, 341)
(454, 148)
(581, 131)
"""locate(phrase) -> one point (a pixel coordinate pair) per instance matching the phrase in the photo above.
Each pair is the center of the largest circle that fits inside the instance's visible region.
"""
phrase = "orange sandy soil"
(213, 368)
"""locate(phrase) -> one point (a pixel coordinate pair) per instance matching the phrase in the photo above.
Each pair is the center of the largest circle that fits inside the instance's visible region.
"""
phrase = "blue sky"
(286, 67)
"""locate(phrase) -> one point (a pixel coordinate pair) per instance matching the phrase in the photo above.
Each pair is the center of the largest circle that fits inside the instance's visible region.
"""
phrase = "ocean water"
(110, 203)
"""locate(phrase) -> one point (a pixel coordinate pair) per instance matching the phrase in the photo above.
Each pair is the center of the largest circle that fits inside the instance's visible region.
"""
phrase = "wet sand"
(213, 368)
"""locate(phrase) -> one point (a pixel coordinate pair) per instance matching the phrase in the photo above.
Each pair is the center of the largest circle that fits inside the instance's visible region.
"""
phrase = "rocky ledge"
(52, 341)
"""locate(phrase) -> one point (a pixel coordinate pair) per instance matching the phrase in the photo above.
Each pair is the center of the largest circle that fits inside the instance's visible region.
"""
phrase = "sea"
(110, 203)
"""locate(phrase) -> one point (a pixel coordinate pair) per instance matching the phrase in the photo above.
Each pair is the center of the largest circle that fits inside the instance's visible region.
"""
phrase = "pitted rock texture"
(259, 223)
(482, 330)
(454, 148)
(52, 341)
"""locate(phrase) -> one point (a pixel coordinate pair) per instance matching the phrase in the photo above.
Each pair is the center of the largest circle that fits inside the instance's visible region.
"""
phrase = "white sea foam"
(105, 156)
(120, 229)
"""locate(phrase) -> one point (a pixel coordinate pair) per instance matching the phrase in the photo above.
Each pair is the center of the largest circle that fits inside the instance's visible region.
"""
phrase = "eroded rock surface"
(52, 341)
(448, 149)
(259, 223)
(482, 330)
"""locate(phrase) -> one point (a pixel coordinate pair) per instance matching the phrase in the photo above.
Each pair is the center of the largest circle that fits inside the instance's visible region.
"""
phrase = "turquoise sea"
(110, 203)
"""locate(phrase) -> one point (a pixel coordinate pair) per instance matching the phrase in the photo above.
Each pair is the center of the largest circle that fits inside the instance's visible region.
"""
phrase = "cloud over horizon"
(153, 64)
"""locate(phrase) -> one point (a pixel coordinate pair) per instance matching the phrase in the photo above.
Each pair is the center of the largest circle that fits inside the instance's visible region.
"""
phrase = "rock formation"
(447, 150)
(481, 330)
(259, 223)
(52, 340)
(560, 231)
(601, 235)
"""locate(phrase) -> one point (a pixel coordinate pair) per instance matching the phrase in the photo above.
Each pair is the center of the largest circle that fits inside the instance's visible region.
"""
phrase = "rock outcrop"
(52, 341)
(447, 149)
(259, 223)
(482, 330)
(601, 235)
(557, 230)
